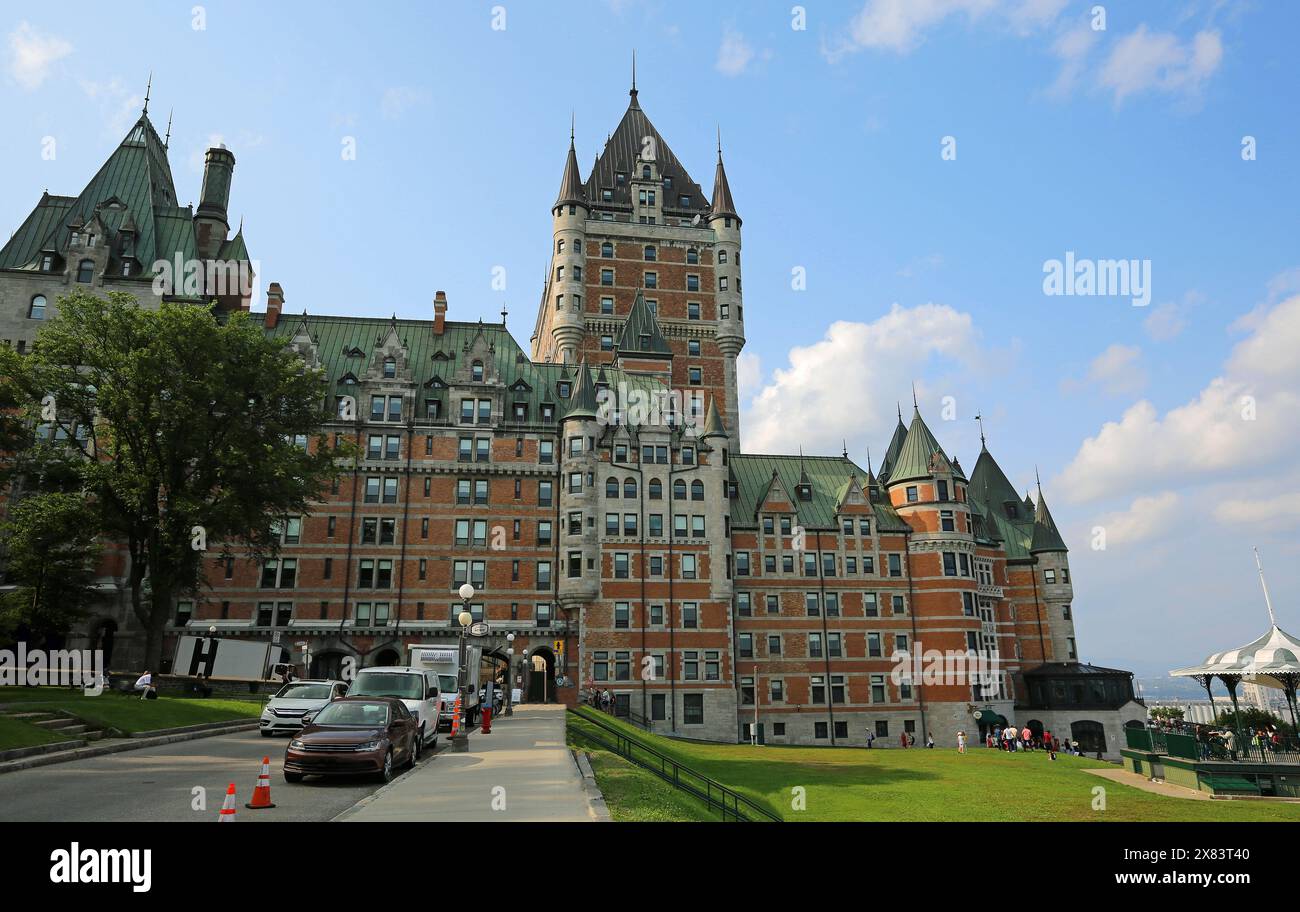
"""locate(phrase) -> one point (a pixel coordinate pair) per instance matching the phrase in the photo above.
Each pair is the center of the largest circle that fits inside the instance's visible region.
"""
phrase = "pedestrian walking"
(871, 739)
(961, 742)
(902, 740)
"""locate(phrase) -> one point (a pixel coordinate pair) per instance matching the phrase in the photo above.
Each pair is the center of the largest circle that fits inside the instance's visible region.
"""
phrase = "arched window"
(390, 368)
(645, 172)
(607, 250)
(679, 490)
(697, 490)
(37, 309)
(476, 371)
(656, 489)
(650, 253)
(85, 271)
(692, 257)
(629, 487)
(611, 487)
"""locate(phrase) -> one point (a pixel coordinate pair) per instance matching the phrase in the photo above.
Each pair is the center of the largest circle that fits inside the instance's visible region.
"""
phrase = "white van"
(415, 687)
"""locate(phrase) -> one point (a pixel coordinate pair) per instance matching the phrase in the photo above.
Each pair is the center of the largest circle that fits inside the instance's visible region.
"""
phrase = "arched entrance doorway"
(541, 675)
(388, 657)
(327, 666)
(1090, 735)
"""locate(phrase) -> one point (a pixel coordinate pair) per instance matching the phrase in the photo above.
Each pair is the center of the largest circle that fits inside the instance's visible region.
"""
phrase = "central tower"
(640, 234)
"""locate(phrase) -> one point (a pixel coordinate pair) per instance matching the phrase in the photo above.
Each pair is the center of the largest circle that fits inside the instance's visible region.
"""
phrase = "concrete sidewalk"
(521, 772)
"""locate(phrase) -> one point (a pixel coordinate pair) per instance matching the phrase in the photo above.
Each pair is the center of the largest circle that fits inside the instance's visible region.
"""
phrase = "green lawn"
(128, 713)
(854, 784)
(633, 794)
(17, 733)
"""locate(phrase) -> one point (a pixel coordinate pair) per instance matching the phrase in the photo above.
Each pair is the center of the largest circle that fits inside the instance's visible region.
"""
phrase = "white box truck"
(239, 659)
(445, 660)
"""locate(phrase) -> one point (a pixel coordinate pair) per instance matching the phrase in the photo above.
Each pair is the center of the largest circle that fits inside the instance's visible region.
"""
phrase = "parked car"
(375, 735)
(418, 688)
(283, 712)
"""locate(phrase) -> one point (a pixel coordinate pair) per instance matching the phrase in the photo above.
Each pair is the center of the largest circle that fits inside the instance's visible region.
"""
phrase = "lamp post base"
(460, 744)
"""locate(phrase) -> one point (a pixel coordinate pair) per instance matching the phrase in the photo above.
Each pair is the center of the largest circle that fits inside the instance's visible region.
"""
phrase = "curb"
(348, 812)
(138, 741)
(595, 798)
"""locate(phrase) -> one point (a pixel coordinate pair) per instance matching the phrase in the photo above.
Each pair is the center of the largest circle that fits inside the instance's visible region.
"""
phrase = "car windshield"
(345, 714)
(304, 692)
(447, 683)
(388, 684)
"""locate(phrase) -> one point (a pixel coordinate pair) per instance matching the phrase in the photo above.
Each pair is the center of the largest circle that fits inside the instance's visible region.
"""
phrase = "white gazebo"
(1273, 660)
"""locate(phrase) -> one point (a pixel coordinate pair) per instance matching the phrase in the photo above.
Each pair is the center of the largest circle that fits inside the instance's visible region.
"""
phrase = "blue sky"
(1122, 142)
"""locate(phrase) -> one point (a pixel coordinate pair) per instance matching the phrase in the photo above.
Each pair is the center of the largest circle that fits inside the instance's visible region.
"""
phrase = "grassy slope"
(16, 733)
(633, 794)
(129, 713)
(857, 784)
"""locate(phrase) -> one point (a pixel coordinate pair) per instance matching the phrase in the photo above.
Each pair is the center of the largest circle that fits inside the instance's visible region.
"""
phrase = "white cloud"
(1157, 61)
(32, 55)
(817, 400)
(119, 106)
(1278, 510)
(1144, 519)
(925, 263)
(197, 156)
(398, 100)
(901, 25)
(1243, 420)
(1118, 370)
(1071, 48)
(1165, 322)
(749, 375)
(734, 54)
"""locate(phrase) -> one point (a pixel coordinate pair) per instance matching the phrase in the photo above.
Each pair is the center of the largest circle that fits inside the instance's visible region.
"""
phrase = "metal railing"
(731, 805)
(1187, 742)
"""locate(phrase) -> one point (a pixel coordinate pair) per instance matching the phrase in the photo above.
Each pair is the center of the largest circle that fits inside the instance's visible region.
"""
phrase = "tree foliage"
(51, 552)
(184, 428)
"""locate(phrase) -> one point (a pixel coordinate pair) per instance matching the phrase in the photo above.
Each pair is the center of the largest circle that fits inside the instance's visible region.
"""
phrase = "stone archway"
(539, 675)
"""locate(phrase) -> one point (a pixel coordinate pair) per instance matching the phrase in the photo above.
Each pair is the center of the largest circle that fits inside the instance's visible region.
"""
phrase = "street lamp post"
(510, 673)
(460, 743)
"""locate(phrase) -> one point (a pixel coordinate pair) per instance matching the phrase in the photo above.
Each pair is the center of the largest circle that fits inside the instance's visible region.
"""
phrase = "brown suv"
(354, 735)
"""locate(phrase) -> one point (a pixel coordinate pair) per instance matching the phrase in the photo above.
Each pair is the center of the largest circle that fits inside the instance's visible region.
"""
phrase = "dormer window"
(75, 239)
(563, 389)
(47, 263)
(1012, 509)
(804, 492)
(645, 172)
(85, 271)
(36, 310)
(390, 368)
(620, 178)
(126, 267)
(476, 372)
(606, 195)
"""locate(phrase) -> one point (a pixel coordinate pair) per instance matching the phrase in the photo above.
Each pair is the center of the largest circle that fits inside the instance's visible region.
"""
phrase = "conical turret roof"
(722, 203)
(582, 400)
(571, 186)
(713, 421)
(894, 448)
(914, 456)
(1046, 536)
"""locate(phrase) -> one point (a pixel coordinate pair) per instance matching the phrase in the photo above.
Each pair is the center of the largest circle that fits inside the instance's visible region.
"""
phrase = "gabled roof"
(914, 456)
(641, 333)
(137, 180)
(1046, 536)
(621, 154)
(825, 475)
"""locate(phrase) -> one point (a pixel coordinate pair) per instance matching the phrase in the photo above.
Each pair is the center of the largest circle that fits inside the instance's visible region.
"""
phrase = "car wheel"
(292, 777)
(386, 774)
(417, 744)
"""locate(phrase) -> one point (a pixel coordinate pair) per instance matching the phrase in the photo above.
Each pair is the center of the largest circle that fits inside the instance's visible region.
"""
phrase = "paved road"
(156, 784)
(522, 771)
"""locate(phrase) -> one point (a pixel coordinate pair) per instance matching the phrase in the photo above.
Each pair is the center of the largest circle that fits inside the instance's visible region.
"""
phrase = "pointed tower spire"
(915, 405)
(980, 419)
(722, 204)
(572, 189)
(148, 90)
(168, 138)
(1267, 601)
(632, 92)
(1046, 536)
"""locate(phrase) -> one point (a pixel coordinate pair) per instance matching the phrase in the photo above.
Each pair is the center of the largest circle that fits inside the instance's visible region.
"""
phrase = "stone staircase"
(57, 721)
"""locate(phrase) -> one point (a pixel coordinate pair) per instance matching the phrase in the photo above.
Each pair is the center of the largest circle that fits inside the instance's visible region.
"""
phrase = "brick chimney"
(274, 305)
(439, 312)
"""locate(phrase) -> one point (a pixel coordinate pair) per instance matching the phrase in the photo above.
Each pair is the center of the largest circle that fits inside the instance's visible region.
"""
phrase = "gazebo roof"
(1275, 653)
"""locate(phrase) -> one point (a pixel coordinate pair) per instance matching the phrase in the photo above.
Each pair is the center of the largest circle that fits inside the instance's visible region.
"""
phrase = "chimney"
(274, 304)
(439, 312)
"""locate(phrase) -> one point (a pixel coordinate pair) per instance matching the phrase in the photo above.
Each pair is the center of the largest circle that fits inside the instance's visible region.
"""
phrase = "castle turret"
(211, 222)
(1056, 593)
(568, 260)
(731, 311)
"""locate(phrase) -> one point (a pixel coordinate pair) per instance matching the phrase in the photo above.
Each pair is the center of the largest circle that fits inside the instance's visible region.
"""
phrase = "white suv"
(283, 712)
(415, 687)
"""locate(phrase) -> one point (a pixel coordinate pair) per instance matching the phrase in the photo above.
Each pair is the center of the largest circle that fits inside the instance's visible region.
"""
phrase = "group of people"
(601, 699)
(1221, 743)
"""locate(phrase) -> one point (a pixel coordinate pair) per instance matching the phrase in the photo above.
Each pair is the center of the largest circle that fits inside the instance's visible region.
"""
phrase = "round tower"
(568, 261)
(727, 291)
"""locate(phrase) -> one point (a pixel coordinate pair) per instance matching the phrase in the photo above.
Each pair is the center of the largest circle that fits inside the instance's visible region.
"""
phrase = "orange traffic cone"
(455, 717)
(227, 814)
(262, 792)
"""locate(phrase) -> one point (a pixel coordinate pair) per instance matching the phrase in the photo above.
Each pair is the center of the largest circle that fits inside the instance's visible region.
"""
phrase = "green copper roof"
(713, 421)
(1046, 536)
(826, 476)
(914, 456)
(895, 446)
(582, 402)
(641, 333)
(990, 489)
(134, 184)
